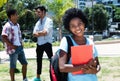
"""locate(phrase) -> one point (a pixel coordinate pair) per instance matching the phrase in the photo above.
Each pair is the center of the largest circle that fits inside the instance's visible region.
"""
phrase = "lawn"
(110, 70)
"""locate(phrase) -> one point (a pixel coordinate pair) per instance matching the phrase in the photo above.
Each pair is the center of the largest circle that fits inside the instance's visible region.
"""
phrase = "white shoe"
(25, 79)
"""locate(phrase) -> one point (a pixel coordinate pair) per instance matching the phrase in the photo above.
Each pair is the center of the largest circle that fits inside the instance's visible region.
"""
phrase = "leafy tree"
(58, 7)
(2, 13)
(27, 20)
(2, 2)
(3, 16)
(31, 4)
(117, 15)
(100, 18)
(87, 13)
(27, 16)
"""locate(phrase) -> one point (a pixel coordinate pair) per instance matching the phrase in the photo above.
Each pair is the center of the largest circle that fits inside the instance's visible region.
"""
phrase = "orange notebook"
(81, 55)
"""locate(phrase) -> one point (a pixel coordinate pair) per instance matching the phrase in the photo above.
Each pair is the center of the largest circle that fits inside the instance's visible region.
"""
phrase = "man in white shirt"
(43, 30)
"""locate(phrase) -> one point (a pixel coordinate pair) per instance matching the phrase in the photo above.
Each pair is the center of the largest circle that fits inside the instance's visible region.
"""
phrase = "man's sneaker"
(25, 79)
(36, 79)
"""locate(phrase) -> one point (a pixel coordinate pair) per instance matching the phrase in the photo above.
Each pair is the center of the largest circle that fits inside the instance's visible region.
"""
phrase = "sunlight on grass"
(110, 70)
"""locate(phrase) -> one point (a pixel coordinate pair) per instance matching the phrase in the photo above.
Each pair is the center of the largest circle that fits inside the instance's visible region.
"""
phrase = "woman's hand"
(90, 68)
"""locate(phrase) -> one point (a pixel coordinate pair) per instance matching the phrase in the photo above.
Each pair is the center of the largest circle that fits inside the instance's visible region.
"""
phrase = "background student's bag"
(34, 39)
(55, 74)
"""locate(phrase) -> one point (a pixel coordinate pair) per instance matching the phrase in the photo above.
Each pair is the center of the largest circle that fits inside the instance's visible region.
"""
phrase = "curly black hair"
(73, 13)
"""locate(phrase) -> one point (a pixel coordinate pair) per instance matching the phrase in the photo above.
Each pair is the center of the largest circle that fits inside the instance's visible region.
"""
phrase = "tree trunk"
(60, 32)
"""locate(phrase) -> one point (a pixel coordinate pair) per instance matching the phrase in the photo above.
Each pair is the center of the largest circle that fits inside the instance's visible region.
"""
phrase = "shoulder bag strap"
(70, 43)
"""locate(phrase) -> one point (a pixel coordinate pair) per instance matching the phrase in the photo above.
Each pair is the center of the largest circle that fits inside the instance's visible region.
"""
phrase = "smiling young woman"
(75, 22)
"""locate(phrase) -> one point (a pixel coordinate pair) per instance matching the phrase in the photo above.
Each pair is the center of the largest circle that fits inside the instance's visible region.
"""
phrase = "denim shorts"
(17, 55)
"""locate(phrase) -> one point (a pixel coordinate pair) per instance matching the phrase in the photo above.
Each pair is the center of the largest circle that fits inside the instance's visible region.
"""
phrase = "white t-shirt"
(47, 24)
(16, 36)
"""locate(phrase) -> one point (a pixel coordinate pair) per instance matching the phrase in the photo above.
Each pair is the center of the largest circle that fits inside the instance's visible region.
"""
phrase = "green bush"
(1, 46)
(28, 45)
(57, 43)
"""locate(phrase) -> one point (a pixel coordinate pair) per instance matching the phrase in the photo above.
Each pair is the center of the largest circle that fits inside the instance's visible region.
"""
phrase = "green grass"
(31, 73)
(110, 70)
(28, 45)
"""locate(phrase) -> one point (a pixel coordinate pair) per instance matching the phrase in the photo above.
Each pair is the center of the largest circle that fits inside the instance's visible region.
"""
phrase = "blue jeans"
(17, 55)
